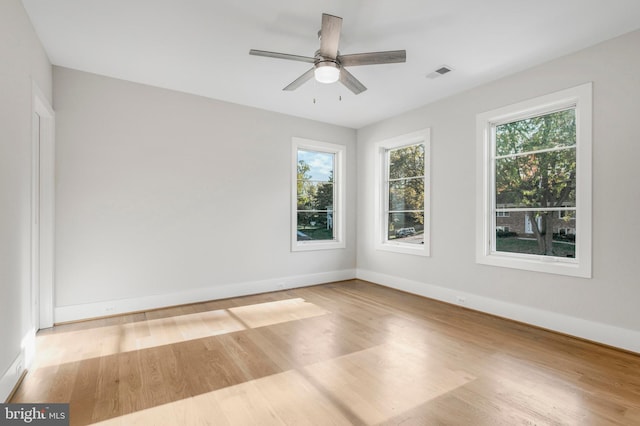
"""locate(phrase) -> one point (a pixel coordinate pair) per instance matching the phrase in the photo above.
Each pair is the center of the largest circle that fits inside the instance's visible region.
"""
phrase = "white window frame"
(580, 266)
(381, 196)
(339, 191)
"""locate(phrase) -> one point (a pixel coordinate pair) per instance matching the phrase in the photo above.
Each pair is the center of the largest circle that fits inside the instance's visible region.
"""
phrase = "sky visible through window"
(320, 163)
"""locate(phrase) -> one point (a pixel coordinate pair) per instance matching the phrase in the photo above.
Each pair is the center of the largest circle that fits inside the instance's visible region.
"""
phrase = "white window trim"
(381, 200)
(339, 188)
(581, 97)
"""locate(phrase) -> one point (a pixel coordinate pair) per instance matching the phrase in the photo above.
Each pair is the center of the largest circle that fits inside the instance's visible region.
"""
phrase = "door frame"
(43, 209)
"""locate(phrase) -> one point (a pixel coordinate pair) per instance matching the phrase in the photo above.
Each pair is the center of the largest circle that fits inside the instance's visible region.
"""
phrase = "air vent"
(442, 70)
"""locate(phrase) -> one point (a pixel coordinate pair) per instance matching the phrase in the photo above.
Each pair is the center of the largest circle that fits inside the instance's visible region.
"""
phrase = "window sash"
(494, 160)
(536, 151)
(388, 182)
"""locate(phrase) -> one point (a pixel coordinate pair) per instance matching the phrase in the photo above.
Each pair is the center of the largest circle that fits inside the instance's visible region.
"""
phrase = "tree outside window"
(405, 190)
(315, 195)
(535, 176)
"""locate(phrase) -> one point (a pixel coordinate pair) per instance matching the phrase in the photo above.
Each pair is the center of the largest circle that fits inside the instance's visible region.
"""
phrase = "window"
(402, 221)
(534, 166)
(317, 194)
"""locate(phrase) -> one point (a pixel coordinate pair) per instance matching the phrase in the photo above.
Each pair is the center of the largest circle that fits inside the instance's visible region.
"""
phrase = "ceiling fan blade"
(330, 35)
(282, 56)
(300, 80)
(373, 58)
(351, 82)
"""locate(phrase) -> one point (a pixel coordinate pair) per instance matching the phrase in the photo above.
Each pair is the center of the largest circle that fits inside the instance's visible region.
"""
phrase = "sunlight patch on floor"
(284, 398)
(387, 380)
(73, 346)
(264, 314)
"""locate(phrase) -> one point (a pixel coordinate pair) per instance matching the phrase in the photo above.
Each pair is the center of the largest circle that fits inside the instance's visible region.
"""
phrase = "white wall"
(22, 59)
(604, 308)
(166, 198)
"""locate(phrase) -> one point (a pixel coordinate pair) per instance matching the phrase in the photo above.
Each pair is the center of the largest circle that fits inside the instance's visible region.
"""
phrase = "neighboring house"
(521, 223)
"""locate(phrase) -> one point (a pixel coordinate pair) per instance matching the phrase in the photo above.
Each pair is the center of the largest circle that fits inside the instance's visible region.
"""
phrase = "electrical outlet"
(461, 300)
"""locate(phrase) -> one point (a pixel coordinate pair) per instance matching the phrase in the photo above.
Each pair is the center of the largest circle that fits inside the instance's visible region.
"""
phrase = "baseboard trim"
(11, 378)
(85, 311)
(622, 338)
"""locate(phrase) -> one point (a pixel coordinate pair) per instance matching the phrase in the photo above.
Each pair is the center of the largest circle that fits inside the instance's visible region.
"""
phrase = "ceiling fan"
(328, 64)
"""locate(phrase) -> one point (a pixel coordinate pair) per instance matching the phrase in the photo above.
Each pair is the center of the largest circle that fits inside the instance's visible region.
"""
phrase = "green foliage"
(529, 178)
(312, 194)
(306, 191)
(406, 162)
(406, 186)
(324, 194)
(554, 130)
(314, 204)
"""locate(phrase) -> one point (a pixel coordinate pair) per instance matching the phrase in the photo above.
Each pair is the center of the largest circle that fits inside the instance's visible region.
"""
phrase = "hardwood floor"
(342, 353)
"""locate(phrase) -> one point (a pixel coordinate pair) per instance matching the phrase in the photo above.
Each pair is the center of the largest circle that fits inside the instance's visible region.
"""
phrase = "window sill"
(546, 264)
(415, 249)
(317, 245)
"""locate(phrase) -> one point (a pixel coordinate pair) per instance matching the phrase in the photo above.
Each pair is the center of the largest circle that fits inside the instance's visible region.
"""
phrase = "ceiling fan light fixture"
(327, 72)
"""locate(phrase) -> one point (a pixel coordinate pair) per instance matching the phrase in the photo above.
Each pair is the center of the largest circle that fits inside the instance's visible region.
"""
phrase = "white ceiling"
(201, 46)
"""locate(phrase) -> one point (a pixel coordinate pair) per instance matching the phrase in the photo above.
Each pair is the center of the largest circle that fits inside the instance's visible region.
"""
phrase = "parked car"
(405, 232)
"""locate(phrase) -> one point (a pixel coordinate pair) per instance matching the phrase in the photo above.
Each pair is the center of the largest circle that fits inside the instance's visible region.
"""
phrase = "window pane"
(314, 195)
(315, 192)
(541, 233)
(553, 130)
(315, 226)
(406, 162)
(537, 180)
(314, 165)
(406, 227)
(406, 194)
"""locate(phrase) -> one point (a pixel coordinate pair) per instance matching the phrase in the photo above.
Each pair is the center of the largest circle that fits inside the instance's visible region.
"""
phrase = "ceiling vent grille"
(441, 70)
